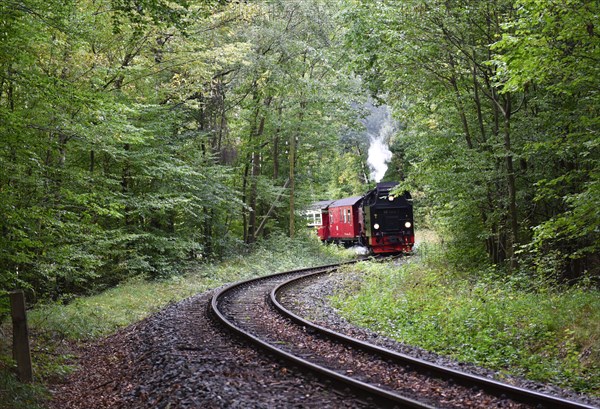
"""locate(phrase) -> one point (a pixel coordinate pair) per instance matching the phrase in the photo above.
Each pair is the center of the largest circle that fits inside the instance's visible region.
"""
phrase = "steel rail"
(389, 398)
(489, 385)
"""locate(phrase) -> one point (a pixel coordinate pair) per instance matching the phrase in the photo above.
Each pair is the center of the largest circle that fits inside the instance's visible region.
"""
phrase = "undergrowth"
(514, 324)
(54, 326)
(17, 395)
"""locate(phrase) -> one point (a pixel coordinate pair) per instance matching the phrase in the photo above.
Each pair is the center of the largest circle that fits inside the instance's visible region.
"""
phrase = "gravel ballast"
(178, 358)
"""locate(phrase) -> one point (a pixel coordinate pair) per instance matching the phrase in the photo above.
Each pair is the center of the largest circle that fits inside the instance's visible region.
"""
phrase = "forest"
(141, 135)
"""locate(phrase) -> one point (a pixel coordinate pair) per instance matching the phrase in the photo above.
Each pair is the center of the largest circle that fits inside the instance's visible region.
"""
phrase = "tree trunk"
(460, 106)
(511, 186)
(92, 161)
(363, 165)
(244, 195)
(292, 184)
(256, 131)
(125, 184)
(477, 100)
(276, 146)
(253, 202)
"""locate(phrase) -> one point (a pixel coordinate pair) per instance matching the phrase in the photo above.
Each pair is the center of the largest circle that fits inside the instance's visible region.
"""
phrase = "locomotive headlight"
(407, 225)
(391, 198)
(376, 226)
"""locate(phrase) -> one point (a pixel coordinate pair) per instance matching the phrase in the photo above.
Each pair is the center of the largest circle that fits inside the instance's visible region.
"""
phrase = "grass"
(544, 333)
(54, 326)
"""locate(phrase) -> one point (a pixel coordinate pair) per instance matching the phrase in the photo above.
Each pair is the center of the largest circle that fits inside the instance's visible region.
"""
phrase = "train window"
(349, 215)
(313, 217)
(318, 219)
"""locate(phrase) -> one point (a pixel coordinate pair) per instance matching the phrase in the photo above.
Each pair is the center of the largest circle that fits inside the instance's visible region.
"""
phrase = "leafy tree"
(551, 51)
(290, 95)
(430, 59)
(98, 183)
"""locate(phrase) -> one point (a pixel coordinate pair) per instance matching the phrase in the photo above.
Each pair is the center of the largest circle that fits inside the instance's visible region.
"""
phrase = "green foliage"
(550, 45)
(295, 98)
(103, 177)
(550, 42)
(145, 12)
(133, 144)
(508, 323)
(99, 315)
(430, 61)
(91, 317)
(141, 136)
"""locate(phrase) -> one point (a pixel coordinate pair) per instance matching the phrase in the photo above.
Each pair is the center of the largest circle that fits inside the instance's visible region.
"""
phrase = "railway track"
(254, 310)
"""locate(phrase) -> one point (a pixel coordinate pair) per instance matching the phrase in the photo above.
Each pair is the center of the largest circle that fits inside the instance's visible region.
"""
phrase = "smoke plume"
(380, 127)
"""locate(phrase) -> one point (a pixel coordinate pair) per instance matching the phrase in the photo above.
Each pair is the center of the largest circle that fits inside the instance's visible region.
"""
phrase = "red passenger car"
(343, 220)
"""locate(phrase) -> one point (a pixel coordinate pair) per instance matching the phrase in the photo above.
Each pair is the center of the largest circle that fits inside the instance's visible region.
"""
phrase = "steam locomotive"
(379, 220)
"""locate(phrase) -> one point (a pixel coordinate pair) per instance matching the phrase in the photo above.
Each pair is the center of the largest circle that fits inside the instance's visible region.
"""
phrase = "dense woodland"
(138, 135)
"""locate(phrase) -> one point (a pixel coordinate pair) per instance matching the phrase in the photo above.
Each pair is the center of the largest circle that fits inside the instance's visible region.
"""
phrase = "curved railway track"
(253, 309)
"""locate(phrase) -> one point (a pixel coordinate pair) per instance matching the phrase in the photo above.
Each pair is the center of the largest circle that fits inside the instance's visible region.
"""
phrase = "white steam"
(379, 153)
(379, 156)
